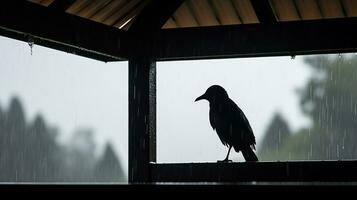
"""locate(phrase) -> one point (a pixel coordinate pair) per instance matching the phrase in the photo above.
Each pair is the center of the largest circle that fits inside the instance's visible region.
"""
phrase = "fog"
(74, 92)
(261, 87)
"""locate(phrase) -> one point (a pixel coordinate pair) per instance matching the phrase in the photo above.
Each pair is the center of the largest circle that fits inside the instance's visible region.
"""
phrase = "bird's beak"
(201, 97)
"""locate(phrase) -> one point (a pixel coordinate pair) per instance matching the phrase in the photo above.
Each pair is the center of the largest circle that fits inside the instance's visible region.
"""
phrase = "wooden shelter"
(146, 31)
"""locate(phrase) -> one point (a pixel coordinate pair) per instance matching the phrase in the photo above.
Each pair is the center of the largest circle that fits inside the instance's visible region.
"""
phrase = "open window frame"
(145, 43)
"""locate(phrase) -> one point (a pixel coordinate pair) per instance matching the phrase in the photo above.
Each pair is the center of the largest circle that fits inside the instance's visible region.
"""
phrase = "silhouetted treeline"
(329, 99)
(29, 152)
(276, 134)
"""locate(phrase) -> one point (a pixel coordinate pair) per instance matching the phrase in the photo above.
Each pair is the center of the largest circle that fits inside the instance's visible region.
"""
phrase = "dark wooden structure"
(292, 171)
(146, 31)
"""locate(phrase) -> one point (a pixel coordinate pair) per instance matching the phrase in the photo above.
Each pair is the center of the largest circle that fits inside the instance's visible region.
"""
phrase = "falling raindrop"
(134, 92)
(333, 102)
(143, 144)
(343, 140)
(30, 42)
(339, 56)
(136, 73)
(310, 150)
(279, 136)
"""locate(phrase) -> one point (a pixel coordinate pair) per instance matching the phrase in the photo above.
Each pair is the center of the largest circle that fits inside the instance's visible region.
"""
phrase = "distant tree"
(13, 141)
(29, 152)
(2, 122)
(83, 141)
(329, 99)
(41, 150)
(79, 155)
(278, 131)
(2, 144)
(108, 168)
(1, 114)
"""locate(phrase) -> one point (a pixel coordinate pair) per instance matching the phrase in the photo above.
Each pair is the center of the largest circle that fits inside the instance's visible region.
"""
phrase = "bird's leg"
(226, 159)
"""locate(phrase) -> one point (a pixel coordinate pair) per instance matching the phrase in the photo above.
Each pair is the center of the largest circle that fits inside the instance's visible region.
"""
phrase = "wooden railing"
(289, 171)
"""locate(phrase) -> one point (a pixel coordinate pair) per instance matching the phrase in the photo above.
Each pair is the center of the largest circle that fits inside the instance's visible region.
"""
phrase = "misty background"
(76, 111)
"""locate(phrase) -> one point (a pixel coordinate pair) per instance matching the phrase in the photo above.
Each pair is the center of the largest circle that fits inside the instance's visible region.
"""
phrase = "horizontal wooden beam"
(168, 191)
(58, 30)
(292, 171)
(252, 40)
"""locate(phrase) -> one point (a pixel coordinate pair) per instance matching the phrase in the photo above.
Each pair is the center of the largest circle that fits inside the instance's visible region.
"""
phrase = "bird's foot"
(224, 161)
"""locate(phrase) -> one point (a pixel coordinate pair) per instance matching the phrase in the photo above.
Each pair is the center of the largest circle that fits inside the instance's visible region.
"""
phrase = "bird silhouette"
(230, 123)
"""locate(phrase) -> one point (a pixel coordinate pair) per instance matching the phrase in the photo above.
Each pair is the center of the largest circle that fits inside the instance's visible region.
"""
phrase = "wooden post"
(152, 112)
(142, 118)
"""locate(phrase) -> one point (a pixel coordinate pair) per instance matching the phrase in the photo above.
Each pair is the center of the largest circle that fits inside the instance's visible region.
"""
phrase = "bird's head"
(215, 92)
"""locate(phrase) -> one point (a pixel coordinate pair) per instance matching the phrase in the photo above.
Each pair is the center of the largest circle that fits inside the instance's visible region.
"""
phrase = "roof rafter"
(264, 11)
(154, 15)
(61, 5)
(62, 31)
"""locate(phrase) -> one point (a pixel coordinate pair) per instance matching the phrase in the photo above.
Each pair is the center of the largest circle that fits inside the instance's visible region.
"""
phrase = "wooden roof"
(111, 30)
(198, 13)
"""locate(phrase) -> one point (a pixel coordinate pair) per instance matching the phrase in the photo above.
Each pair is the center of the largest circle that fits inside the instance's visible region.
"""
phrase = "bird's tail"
(249, 154)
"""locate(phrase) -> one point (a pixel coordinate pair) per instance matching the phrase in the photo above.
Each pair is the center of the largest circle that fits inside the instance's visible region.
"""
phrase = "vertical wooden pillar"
(152, 111)
(142, 118)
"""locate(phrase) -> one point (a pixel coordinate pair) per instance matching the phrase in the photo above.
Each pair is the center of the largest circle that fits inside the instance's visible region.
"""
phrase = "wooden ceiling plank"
(350, 7)
(308, 9)
(108, 10)
(127, 25)
(331, 8)
(184, 17)
(36, 1)
(46, 2)
(127, 9)
(92, 8)
(170, 24)
(245, 11)
(203, 13)
(130, 15)
(226, 12)
(285, 10)
(77, 6)
(125, 19)
(61, 5)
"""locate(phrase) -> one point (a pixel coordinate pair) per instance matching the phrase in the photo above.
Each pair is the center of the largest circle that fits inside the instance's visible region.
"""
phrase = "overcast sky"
(74, 92)
(260, 87)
